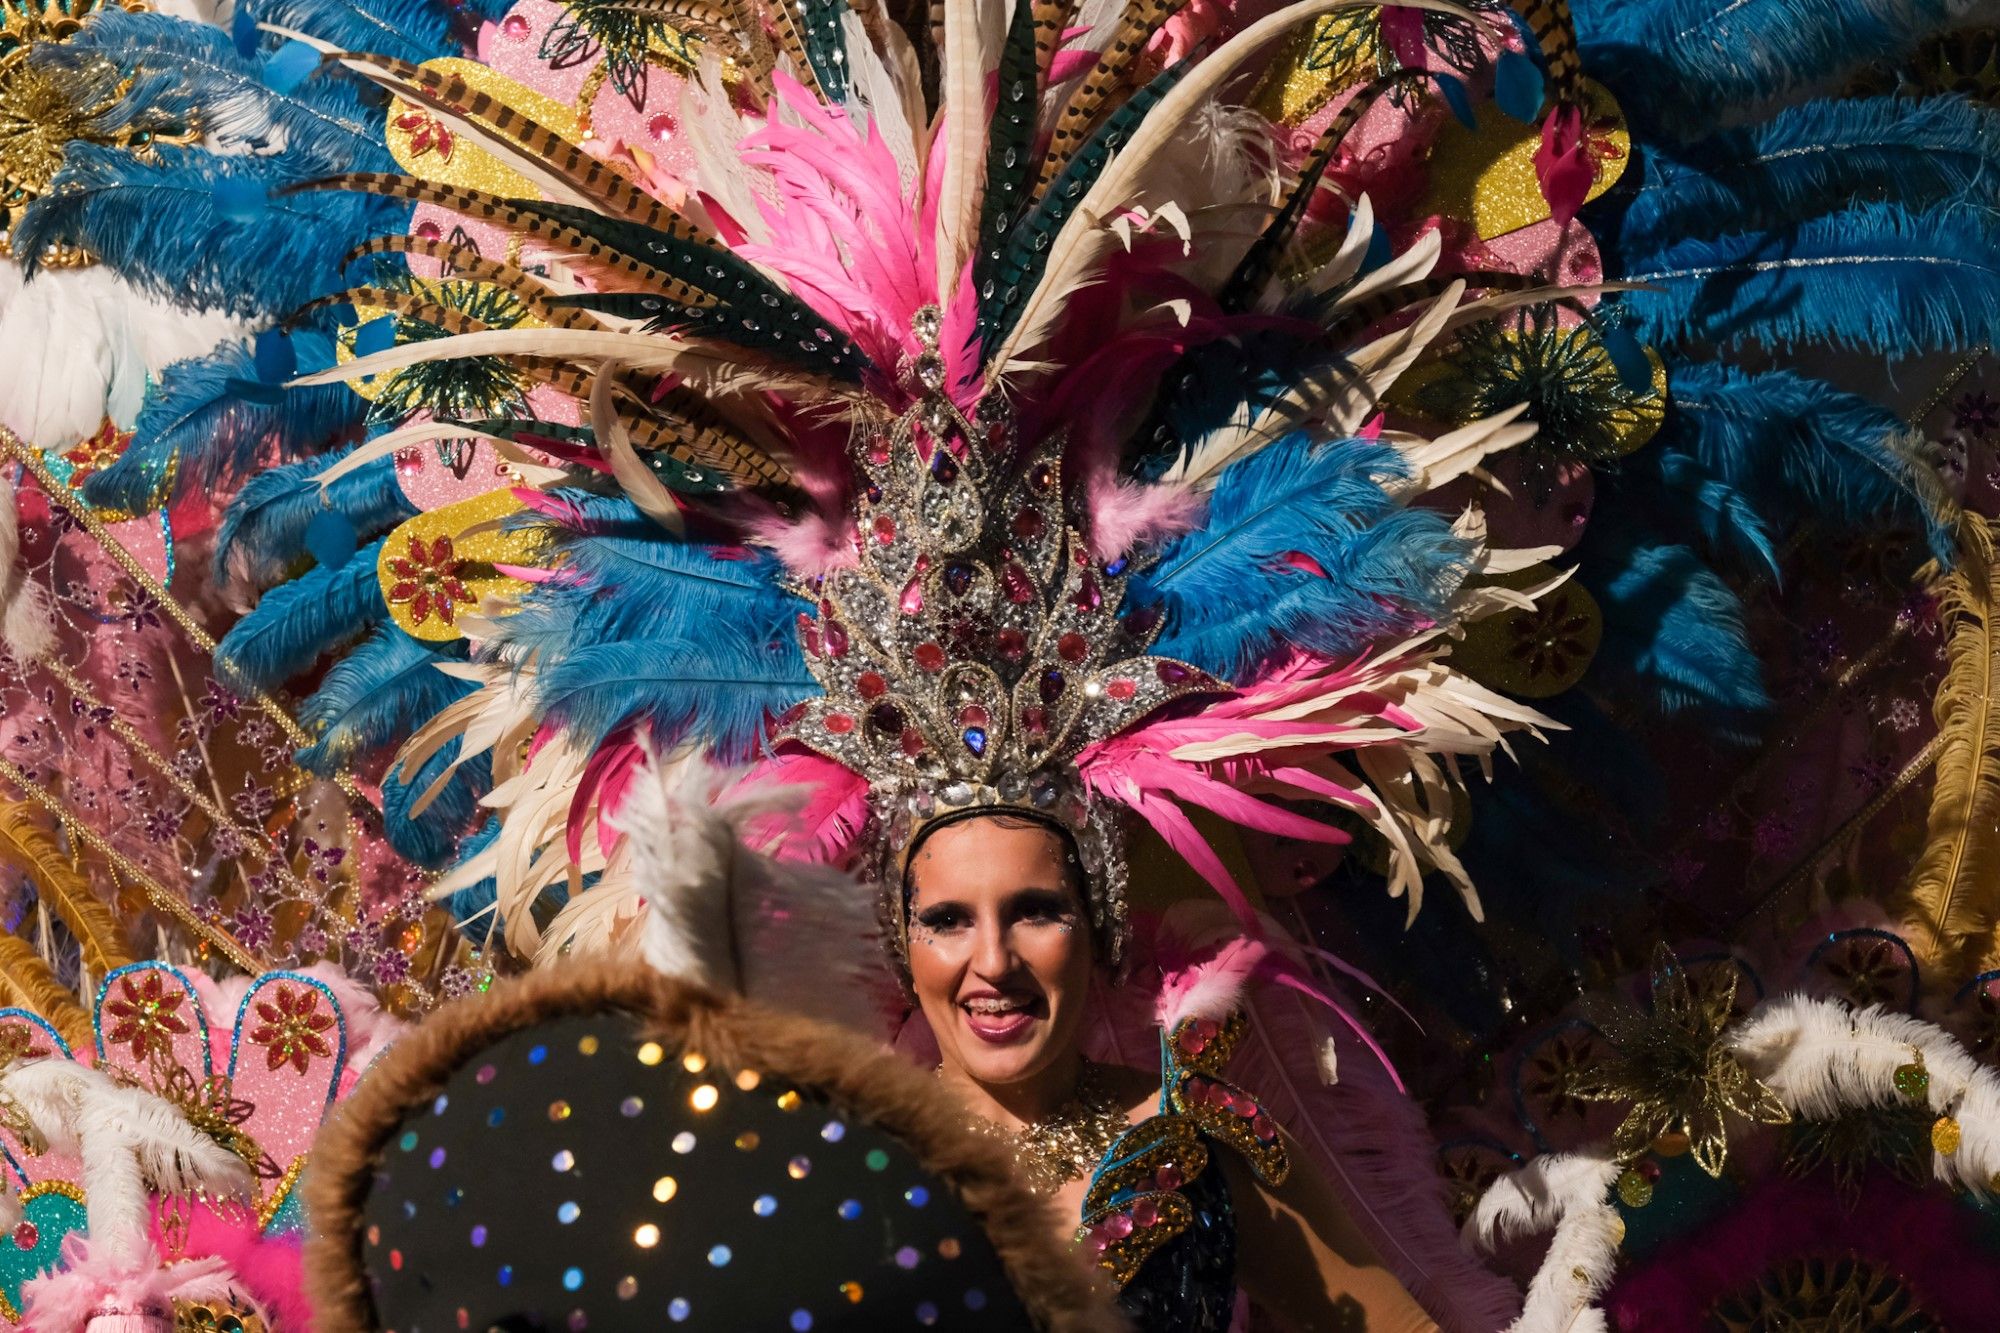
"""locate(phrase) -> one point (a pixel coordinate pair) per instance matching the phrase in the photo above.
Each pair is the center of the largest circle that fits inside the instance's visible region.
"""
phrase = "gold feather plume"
(1951, 906)
(28, 845)
(27, 983)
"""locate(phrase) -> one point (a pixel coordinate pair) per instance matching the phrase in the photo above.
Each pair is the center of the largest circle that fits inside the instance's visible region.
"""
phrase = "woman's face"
(1000, 952)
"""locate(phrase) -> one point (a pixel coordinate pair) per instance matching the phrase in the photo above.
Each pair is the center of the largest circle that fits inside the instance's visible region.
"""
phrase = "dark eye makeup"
(1039, 906)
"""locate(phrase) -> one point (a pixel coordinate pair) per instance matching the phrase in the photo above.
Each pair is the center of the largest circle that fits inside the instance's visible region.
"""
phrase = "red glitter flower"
(293, 1027)
(143, 1015)
(428, 579)
(427, 134)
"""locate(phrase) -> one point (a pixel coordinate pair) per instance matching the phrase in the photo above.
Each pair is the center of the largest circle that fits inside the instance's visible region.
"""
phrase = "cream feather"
(27, 612)
(712, 129)
(1566, 1193)
(969, 52)
(888, 85)
(639, 482)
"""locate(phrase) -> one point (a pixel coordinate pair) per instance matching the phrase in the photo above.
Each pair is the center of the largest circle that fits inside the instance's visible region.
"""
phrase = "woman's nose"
(992, 951)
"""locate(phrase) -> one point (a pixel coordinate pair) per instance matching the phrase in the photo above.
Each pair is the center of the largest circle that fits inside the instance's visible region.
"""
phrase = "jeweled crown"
(975, 647)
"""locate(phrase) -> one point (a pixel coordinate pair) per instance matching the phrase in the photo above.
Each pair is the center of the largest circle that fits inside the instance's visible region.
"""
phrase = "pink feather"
(825, 829)
(1125, 514)
(270, 1268)
(64, 1301)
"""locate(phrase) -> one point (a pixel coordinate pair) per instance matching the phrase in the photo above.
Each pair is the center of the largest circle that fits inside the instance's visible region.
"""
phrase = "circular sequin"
(748, 1080)
(478, 1237)
(704, 1097)
(568, 1212)
(694, 1062)
(437, 1158)
(628, 1287)
(799, 1167)
(572, 1279)
(495, 1117)
(665, 1188)
(916, 1196)
(651, 1054)
(558, 1110)
(719, 1256)
(764, 1206)
(631, 1106)
(748, 1140)
(877, 1160)
(849, 1210)
(538, 1054)
(975, 1299)
(646, 1237)
(588, 1045)
(851, 1290)
(563, 1160)
(677, 1309)
(408, 1142)
(683, 1143)
(506, 1275)
(438, 1106)
(801, 1320)
(486, 1073)
(927, 1314)
(907, 1257)
(833, 1131)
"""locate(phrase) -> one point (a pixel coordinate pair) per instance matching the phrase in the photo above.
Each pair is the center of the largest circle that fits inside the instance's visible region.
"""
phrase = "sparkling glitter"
(694, 1062)
(683, 1143)
(677, 1309)
(563, 1160)
(765, 1205)
(877, 1160)
(799, 1167)
(628, 1287)
(651, 1054)
(486, 1073)
(631, 1106)
(495, 1117)
(748, 1080)
(437, 1158)
(665, 1188)
(719, 1256)
(646, 1237)
(907, 1257)
(478, 1237)
(538, 1054)
(801, 1320)
(704, 1097)
(408, 1142)
(572, 1278)
(748, 1140)
(833, 1131)
(568, 1212)
(588, 1046)
(916, 1196)
(558, 1110)
(850, 1209)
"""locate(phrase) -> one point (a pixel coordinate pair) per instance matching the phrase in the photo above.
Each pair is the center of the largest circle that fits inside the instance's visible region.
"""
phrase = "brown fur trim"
(1061, 1292)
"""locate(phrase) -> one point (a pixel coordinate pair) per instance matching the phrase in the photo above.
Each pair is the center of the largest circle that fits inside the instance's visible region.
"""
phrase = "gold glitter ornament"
(438, 566)
(1487, 176)
(1676, 1069)
(1634, 1190)
(1335, 54)
(1945, 1135)
(425, 145)
(1069, 1143)
(1534, 652)
(1913, 1080)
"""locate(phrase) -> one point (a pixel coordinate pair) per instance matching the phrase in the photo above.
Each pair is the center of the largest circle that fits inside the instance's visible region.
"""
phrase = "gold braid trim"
(29, 846)
(27, 983)
(1952, 904)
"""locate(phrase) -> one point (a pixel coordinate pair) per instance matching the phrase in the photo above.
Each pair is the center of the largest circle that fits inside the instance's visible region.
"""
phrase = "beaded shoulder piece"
(1135, 1202)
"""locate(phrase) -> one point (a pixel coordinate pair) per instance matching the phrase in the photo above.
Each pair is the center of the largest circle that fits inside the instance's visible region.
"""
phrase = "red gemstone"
(809, 633)
(1169, 1177)
(929, 656)
(1195, 1041)
(972, 715)
(870, 685)
(878, 451)
(1088, 597)
(25, 1236)
(1035, 721)
(1264, 1128)
(1012, 643)
(1042, 477)
(913, 597)
(1145, 1213)
(913, 742)
(1173, 674)
(885, 529)
(1119, 1225)
(1014, 583)
(1073, 647)
(836, 639)
(1029, 526)
(1122, 689)
(839, 723)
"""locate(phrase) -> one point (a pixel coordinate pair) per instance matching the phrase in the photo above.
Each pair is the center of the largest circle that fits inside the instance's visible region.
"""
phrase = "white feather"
(712, 129)
(888, 86)
(27, 613)
(970, 51)
(1565, 1193)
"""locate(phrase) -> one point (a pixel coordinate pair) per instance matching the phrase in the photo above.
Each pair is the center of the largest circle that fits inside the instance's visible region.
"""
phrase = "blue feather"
(296, 622)
(412, 30)
(1671, 623)
(1814, 158)
(193, 72)
(1678, 64)
(195, 429)
(1233, 599)
(1726, 520)
(203, 230)
(382, 691)
(720, 688)
(1874, 278)
(268, 517)
(1796, 447)
(476, 899)
(431, 839)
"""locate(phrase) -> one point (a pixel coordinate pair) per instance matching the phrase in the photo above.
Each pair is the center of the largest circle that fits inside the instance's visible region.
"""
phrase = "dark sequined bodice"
(1188, 1285)
(1157, 1214)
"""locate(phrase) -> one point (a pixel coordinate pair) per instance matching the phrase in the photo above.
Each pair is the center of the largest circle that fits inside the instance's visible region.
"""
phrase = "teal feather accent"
(1725, 519)
(297, 622)
(432, 838)
(1010, 143)
(381, 692)
(723, 690)
(266, 522)
(1672, 626)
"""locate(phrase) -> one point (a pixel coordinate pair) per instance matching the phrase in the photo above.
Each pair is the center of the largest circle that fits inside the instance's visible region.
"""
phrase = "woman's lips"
(1000, 1026)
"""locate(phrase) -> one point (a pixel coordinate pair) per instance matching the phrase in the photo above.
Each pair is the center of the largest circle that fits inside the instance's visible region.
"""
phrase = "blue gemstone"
(975, 739)
(1115, 567)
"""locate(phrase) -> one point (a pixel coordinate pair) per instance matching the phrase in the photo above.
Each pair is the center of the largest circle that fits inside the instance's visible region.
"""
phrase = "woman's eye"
(941, 921)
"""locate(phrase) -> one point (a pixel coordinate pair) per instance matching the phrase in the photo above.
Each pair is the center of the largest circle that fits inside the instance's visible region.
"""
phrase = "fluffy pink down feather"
(825, 828)
(120, 1294)
(271, 1269)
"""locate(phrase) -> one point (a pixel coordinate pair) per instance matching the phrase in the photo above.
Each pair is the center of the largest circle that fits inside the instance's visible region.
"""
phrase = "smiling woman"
(1183, 1187)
